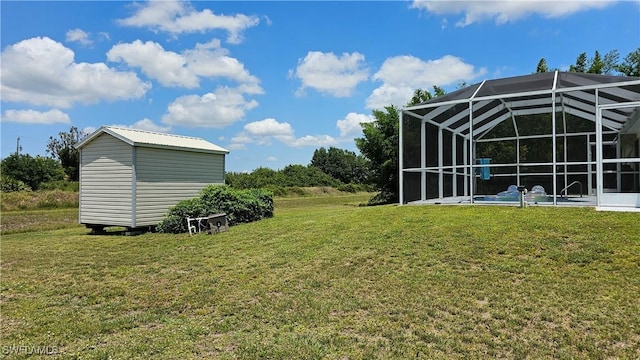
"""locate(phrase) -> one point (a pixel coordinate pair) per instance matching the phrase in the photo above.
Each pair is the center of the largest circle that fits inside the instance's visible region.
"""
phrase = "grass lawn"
(326, 278)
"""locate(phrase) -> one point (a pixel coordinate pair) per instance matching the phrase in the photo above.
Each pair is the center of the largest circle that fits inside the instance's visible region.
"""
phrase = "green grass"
(326, 278)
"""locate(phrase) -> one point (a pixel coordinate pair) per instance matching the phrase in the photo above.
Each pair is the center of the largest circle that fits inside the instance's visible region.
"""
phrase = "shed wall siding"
(105, 193)
(165, 177)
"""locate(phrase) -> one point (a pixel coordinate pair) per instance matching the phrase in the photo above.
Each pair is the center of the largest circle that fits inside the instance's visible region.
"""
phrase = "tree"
(596, 64)
(631, 64)
(420, 96)
(33, 171)
(63, 149)
(380, 146)
(264, 176)
(610, 62)
(607, 64)
(581, 64)
(302, 176)
(461, 85)
(258, 178)
(542, 66)
(343, 165)
(290, 176)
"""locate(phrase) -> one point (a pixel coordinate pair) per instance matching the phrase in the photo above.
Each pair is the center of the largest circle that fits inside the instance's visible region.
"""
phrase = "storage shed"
(130, 178)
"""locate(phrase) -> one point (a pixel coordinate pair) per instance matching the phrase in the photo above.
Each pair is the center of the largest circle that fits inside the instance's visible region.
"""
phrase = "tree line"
(26, 172)
(332, 167)
(607, 64)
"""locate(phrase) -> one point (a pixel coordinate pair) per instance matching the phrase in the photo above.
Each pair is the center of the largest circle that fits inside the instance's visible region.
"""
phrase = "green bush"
(64, 185)
(343, 165)
(277, 190)
(354, 188)
(241, 206)
(33, 171)
(176, 219)
(294, 190)
(290, 176)
(306, 176)
(382, 198)
(9, 184)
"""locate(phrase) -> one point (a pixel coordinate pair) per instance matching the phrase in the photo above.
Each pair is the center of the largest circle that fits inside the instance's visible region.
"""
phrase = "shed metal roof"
(152, 139)
(497, 100)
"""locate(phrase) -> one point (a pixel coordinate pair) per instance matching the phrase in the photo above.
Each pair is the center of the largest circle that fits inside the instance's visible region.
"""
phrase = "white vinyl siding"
(165, 177)
(122, 184)
(106, 183)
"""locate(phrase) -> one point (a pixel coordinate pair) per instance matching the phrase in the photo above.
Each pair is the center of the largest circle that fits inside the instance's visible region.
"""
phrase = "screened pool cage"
(568, 138)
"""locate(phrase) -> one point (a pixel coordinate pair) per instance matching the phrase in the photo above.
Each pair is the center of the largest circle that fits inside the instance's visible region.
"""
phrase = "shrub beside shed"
(130, 178)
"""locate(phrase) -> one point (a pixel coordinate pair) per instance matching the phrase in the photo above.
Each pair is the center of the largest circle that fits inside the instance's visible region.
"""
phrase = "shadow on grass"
(119, 231)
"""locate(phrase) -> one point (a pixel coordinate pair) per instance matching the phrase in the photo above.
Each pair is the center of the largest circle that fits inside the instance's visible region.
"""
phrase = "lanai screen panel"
(411, 148)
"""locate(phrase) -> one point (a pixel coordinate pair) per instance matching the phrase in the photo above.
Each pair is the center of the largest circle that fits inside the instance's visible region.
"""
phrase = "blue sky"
(272, 81)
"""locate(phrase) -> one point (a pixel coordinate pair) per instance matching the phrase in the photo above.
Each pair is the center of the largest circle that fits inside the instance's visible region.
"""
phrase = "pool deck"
(584, 201)
(465, 200)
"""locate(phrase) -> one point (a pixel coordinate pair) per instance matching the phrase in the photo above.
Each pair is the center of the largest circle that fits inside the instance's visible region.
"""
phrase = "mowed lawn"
(326, 278)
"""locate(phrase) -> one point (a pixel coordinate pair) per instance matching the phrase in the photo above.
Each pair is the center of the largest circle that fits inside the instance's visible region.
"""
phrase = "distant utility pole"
(18, 147)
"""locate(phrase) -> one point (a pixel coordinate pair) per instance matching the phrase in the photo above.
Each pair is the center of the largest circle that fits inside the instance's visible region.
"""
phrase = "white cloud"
(104, 36)
(41, 71)
(89, 130)
(401, 75)
(263, 132)
(331, 74)
(53, 116)
(213, 110)
(414, 72)
(271, 158)
(241, 138)
(350, 125)
(147, 125)
(79, 36)
(178, 17)
(269, 127)
(311, 140)
(388, 94)
(185, 69)
(167, 67)
(237, 146)
(506, 11)
(211, 60)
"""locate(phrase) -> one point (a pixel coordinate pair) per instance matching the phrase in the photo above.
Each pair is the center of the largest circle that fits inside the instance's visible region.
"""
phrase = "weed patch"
(42, 199)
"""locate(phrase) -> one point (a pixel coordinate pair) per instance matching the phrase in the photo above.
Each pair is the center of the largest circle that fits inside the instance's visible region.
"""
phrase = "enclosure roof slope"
(499, 99)
(152, 139)
(538, 82)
